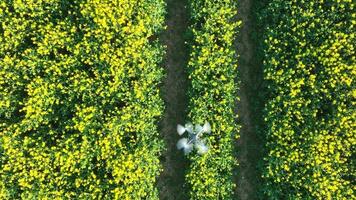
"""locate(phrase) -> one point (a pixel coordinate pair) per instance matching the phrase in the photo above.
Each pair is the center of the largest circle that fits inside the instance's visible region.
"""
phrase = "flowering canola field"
(212, 69)
(309, 65)
(79, 99)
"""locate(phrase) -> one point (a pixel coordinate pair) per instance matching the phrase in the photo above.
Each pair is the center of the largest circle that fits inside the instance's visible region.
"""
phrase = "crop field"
(178, 99)
(309, 67)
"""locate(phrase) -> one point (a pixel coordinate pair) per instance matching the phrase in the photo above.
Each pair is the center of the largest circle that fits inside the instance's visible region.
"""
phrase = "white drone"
(194, 137)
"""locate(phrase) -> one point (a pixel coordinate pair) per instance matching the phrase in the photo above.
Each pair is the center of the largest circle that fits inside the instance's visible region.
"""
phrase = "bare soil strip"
(249, 145)
(174, 91)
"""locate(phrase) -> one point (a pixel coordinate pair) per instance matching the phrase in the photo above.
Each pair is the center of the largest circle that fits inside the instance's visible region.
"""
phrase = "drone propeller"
(198, 128)
(189, 127)
(180, 129)
(201, 147)
(183, 144)
(207, 127)
(188, 149)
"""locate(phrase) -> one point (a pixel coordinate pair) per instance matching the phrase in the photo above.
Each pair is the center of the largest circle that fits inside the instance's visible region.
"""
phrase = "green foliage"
(79, 99)
(212, 70)
(309, 60)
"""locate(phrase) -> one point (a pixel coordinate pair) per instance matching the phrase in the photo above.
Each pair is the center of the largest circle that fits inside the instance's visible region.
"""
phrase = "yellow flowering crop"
(79, 99)
(212, 70)
(310, 67)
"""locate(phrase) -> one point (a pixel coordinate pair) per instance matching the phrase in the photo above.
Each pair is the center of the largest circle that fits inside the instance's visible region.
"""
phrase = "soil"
(174, 90)
(250, 144)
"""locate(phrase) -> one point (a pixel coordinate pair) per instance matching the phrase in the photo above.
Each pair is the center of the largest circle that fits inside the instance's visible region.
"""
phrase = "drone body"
(194, 138)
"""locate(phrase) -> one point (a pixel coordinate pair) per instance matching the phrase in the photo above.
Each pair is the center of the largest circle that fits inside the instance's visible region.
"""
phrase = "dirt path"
(250, 145)
(171, 181)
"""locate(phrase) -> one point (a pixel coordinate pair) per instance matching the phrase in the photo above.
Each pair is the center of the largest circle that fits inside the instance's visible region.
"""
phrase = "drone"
(194, 138)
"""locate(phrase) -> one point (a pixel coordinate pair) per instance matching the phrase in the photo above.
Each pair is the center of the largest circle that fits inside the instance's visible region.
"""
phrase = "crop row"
(212, 71)
(309, 65)
(79, 99)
